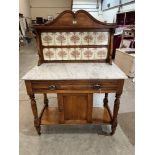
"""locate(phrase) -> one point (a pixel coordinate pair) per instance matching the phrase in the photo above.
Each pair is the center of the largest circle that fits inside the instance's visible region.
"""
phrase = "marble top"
(74, 71)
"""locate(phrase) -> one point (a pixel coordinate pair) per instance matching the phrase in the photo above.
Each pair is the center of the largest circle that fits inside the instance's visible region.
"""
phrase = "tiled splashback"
(74, 53)
(74, 38)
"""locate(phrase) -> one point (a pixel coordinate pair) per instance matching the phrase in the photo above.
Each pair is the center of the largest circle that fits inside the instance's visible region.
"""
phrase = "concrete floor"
(73, 140)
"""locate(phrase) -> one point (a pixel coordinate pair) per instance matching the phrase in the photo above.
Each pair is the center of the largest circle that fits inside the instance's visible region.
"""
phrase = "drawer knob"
(97, 86)
(52, 87)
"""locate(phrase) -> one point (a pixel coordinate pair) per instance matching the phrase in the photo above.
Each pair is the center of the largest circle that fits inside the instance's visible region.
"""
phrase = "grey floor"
(74, 140)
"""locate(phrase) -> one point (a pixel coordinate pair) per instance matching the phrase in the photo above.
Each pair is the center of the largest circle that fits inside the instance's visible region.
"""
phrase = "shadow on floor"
(69, 129)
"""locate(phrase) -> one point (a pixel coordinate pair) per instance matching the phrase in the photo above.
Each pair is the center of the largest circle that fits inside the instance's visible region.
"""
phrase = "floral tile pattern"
(62, 54)
(101, 38)
(61, 38)
(101, 53)
(49, 54)
(75, 53)
(88, 38)
(88, 54)
(74, 38)
(47, 38)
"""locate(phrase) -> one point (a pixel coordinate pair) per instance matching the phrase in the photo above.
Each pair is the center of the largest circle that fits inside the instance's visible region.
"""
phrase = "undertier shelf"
(51, 115)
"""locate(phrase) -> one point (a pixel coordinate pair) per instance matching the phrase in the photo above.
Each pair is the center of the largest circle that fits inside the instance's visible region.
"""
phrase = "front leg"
(45, 99)
(115, 113)
(105, 105)
(35, 113)
(105, 101)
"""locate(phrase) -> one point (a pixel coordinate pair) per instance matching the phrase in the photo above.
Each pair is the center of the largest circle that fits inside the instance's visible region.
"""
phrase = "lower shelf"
(51, 116)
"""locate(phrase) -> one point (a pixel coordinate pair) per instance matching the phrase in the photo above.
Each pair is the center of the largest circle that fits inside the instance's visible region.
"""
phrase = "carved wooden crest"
(80, 19)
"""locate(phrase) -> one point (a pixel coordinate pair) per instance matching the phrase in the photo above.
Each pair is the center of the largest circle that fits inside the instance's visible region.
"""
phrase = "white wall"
(43, 8)
(24, 8)
(90, 6)
(110, 15)
(84, 1)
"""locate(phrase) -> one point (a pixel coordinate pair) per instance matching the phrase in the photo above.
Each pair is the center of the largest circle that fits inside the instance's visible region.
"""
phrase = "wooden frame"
(81, 21)
(95, 115)
(75, 97)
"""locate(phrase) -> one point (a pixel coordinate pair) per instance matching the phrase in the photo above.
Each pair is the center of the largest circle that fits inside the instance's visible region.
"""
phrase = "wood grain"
(85, 22)
(75, 97)
(51, 116)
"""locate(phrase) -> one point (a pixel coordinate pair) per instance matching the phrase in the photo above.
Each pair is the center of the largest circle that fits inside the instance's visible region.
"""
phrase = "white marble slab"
(74, 71)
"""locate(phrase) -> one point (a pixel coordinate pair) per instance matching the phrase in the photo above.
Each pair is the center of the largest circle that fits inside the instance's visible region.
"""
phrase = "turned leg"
(35, 113)
(45, 100)
(115, 113)
(105, 101)
(105, 105)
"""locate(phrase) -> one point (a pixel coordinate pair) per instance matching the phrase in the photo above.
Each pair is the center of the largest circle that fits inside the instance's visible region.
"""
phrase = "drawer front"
(70, 86)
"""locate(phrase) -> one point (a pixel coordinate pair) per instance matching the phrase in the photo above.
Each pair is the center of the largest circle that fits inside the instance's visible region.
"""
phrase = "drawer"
(86, 85)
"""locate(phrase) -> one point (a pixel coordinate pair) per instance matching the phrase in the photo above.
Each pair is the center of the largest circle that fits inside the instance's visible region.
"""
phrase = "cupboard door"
(77, 108)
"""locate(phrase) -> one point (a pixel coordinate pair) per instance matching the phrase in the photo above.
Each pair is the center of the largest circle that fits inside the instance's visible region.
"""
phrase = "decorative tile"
(74, 38)
(101, 53)
(75, 54)
(87, 38)
(88, 54)
(61, 38)
(102, 38)
(47, 39)
(62, 54)
(49, 54)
